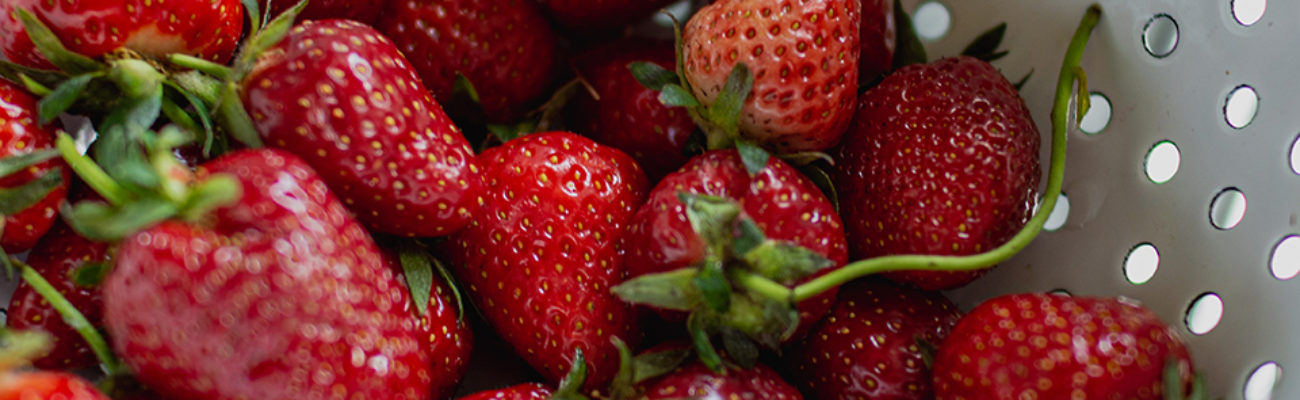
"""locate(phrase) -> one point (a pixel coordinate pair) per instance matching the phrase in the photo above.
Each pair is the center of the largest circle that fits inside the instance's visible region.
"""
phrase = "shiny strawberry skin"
(281, 295)
(629, 116)
(523, 391)
(342, 97)
(866, 346)
(600, 15)
(785, 204)
(47, 385)
(205, 28)
(941, 159)
(20, 133)
(696, 381)
(450, 339)
(57, 257)
(879, 38)
(804, 58)
(1053, 346)
(505, 48)
(541, 254)
(365, 12)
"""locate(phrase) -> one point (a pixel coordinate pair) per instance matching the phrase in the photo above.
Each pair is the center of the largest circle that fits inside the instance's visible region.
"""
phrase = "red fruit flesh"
(541, 254)
(208, 29)
(629, 116)
(523, 391)
(361, 11)
(941, 159)
(784, 203)
(341, 96)
(20, 134)
(58, 257)
(450, 339)
(47, 385)
(505, 48)
(1058, 347)
(866, 347)
(600, 15)
(879, 38)
(284, 296)
(804, 58)
(696, 381)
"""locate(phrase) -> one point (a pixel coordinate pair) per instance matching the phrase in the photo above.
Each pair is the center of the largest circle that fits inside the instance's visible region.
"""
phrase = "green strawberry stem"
(90, 172)
(1064, 91)
(571, 386)
(74, 319)
(198, 64)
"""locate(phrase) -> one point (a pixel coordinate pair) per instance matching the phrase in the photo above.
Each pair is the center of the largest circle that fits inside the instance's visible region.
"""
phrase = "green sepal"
(623, 386)
(139, 112)
(753, 156)
(253, 10)
(417, 266)
(803, 158)
(985, 46)
(214, 192)
(508, 132)
(13, 164)
(8, 265)
(740, 348)
(74, 319)
(63, 97)
(672, 290)
(652, 76)
(119, 150)
(749, 236)
(207, 136)
(15, 73)
(674, 95)
(464, 87)
(784, 262)
(91, 274)
(909, 49)
(48, 44)
(16, 199)
(570, 387)
(713, 286)
(699, 329)
(1020, 84)
(1172, 381)
(100, 222)
(135, 78)
(34, 87)
(270, 35)
(927, 350)
(235, 118)
(711, 218)
(817, 173)
(450, 280)
(724, 114)
(212, 69)
(766, 321)
(1199, 392)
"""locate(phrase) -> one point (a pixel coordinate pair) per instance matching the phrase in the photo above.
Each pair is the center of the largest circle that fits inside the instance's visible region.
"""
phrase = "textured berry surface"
(450, 339)
(505, 48)
(283, 296)
(342, 97)
(626, 115)
(365, 12)
(785, 204)
(695, 381)
(20, 134)
(866, 347)
(205, 28)
(523, 391)
(47, 385)
(541, 254)
(1051, 346)
(57, 257)
(600, 15)
(941, 159)
(804, 58)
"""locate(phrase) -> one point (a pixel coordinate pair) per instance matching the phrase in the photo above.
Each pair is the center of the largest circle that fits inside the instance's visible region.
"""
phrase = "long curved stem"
(1060, 125)
(74, 319)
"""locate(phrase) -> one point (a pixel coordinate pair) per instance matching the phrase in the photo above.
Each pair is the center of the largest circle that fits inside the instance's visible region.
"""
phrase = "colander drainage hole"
(1228, 208)
(1248, 12)
(932, 20)
(1141, 263)
(1059, 214)
(1260, 384)
(1160, 36)
(1285, 261)
(1241, 106)
(1295, 155)
(1162, 162)
(1098, 116)
(1204, 314)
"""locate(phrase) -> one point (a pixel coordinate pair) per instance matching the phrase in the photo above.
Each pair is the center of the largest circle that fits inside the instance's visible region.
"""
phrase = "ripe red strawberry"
(523, 391)
(942, 158)
(879, 38)
(342, 97)
(867, 346)
(628, 116)
(281, 295)
(541, 253)
(449, 336)
(205, 28)
(600, 15)
(46, 385)
(21, 134)
(58, 257)
(505, 48)
(804, 59)
(784, 203)
(364, 12)
(1058, 347)
(696, 381)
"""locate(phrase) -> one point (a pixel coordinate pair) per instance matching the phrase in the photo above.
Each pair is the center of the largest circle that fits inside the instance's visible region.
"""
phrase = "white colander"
(1186, 195)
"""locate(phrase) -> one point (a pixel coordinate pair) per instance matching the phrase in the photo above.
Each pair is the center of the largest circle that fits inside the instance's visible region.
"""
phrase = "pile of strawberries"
(337, 199)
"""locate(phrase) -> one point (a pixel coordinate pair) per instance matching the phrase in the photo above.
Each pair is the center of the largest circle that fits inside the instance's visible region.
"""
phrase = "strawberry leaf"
(464, 87)
(74, 319)
(909, 48)
(417, 266)
(750, 236)
(740, 348)
(235, 118)
(8, 265)
(14, 72)
(208, 137)
(713, 285)
(784, 262)
(10, 165)
(725, 111)
(651, 365)
(672, 290)
(140, 112)
(652, 76)
(1020, 85)
(985, 46)
(89, 171)
(100, 222)
(508, 132)
(63, 97)
(754, 157)
(254, 12)
(16, 199)
(818, 175)
(927, 350)
(91, 274)
(271, 34)
(699, 329)
(711, 218)
(214, 192)
(48, 44)
(674, 95)
(1172, 380)
(570, 386)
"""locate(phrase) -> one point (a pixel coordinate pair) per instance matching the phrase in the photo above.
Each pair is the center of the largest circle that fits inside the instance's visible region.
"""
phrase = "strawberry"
(449, 337)
(46, 385)
(626, 115)
(783, 203)
(363, 12)
(942, 159)
(342, 97)
(21, 134)
(58, 257)
(506, 49)
(205, 28)
(1058, 347)
(523, 391)
(697, 381)
(803, 57)
(867, 347)
(879, 38)
(600, 15)
(280, 295)
(541, 253)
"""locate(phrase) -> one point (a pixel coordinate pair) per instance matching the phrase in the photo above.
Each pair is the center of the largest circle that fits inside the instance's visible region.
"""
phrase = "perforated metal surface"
(1115, 206)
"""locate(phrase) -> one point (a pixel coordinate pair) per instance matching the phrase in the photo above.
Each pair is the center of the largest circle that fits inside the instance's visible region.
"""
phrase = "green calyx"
(74, 319)
(571, 385)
